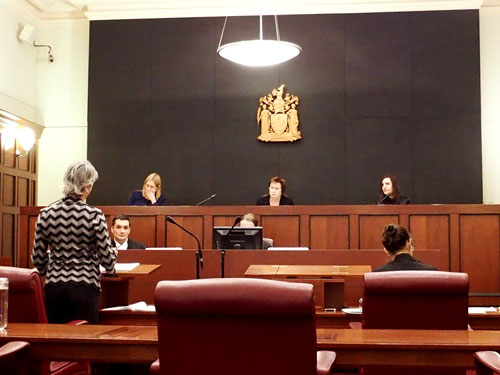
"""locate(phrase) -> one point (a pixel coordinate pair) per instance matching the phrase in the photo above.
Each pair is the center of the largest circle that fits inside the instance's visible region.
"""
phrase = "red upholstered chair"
(14, 358)
(415, 300)
(237, 326)
(487, 363)
(27, 305)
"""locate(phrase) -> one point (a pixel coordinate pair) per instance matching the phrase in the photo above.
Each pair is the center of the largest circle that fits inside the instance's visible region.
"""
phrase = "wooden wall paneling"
(23, 193)
(161, 234)
(353, 231)
(9, 190)
(9, 157)
(304, 231)
(24, 232)
(26, 239)
(23, 163)
(455, 243)
(33, 194)
(404, 220)
(329, 232)
(432, 232)
(144, 229)
(8, 234)
(371, 227)
(480, 246)
(284, 230)
(224, 221)
(176, 237)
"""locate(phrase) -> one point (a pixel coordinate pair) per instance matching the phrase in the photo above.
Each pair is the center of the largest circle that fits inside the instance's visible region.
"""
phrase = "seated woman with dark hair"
(276, 195)
(389, 192)
(150, 194)
(399, 245)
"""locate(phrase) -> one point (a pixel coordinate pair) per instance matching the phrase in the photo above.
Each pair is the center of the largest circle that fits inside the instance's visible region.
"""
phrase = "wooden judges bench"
(468, 237)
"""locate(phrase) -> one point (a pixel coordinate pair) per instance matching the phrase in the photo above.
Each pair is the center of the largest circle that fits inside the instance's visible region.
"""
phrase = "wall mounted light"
(258, 52)
(18, 133)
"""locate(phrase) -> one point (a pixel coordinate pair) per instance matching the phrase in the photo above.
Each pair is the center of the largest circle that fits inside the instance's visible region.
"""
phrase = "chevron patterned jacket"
(77, 236)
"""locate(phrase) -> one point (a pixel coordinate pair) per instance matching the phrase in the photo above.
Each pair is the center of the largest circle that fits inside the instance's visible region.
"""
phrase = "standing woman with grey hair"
(71, 241)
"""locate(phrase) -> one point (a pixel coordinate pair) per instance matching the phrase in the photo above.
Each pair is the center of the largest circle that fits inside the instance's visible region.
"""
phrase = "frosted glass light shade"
(26, 138)
(259, 52)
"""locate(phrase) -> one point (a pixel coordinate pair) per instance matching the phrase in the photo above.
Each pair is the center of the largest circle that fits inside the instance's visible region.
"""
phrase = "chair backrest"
(236, 326)
(487, 363)
(14, 358)
(26, 303)
(415, 300)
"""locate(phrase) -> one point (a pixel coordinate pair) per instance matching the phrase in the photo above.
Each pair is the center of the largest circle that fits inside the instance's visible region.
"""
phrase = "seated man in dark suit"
(120, 228)
(398, 244)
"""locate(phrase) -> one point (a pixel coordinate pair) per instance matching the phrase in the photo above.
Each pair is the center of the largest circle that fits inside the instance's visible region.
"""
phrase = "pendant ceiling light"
(258, 52)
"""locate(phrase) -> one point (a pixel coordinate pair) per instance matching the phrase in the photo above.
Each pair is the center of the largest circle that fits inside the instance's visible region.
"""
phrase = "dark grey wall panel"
(182, 107)
(445, 73)
(242, 164)
(375, 147)
(378, 93)
(315, 166)
(447, 153)
(119, 134)
(378, 65)
(318, 72)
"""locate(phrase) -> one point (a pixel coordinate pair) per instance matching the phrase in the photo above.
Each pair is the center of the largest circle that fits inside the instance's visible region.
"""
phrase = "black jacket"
(405, 262)
(133, 244)
(284, 201)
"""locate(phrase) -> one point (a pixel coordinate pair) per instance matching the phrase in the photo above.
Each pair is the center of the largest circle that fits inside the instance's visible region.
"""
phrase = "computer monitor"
(240, 238)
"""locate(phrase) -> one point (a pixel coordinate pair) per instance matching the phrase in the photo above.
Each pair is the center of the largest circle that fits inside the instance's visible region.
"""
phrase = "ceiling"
(135, 9)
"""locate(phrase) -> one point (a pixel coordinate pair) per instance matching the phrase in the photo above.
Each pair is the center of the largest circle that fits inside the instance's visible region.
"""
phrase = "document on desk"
(482, 310)
(138, 306)
(121, 267)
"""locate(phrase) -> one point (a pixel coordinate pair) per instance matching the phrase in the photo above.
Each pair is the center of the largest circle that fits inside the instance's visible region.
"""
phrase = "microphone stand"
(206, 200)
(224, 243)
(383, 199)
(199, 254)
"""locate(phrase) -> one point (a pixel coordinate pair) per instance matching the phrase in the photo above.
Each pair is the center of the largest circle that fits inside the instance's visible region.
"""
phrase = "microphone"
(224, 242)
(206, 200)
(383, 199)
(199, 253)
(226, 237)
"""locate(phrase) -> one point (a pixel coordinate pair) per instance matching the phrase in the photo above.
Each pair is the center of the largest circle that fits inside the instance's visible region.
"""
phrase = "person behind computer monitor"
(399, 246)
(120, 228)
(389, 192)
(150, 195)
(249, 221)
(276, 195)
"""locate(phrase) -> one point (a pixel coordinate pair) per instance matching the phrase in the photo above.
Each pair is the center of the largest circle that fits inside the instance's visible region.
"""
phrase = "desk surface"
(355, 347)
(264, 270)
(96, 343)
(337, 319)
(141, 269)
(138, 344)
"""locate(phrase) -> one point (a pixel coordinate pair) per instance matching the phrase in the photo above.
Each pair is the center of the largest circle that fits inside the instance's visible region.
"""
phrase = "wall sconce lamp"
(258, 52)
(17, 133)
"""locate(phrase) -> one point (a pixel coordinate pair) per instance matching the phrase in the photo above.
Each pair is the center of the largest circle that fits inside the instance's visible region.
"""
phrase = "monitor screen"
(240, 238)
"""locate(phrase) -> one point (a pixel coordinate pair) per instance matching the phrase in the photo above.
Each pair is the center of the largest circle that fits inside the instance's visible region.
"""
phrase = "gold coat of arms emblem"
(278, 117)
